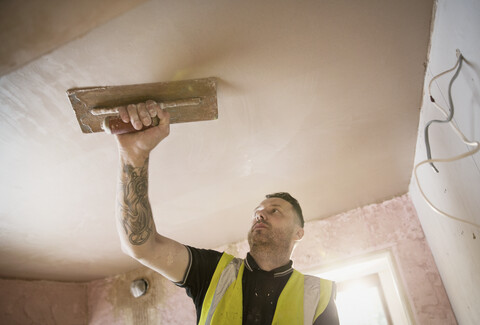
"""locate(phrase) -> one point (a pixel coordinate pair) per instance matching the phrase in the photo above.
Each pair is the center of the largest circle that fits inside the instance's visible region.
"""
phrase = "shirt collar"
(252, 266)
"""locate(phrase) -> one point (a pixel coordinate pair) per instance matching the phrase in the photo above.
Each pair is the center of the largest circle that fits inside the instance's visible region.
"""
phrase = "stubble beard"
(267, 241)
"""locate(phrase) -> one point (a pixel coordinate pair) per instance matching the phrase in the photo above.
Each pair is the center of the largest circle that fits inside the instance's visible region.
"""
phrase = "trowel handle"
(115, 125)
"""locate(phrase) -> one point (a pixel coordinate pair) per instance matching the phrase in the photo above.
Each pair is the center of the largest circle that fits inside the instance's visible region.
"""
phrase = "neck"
(268, 259)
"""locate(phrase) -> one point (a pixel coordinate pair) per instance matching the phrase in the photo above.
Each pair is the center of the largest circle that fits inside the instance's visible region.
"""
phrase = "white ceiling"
(317, 98)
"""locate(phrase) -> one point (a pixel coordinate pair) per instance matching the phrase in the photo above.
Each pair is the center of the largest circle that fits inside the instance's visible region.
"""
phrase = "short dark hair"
(290, 199)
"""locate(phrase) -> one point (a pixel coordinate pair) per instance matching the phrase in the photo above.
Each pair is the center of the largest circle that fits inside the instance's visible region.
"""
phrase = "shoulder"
(317, 281)
(325, 292)
(314, 281)
(205, 253)
(202, 263)
(320, 286)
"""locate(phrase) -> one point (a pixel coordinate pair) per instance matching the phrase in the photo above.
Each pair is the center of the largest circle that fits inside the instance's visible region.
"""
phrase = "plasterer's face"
(274, 222)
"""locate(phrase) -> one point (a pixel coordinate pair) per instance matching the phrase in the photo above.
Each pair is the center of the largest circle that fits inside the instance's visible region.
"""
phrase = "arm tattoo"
(135, 207)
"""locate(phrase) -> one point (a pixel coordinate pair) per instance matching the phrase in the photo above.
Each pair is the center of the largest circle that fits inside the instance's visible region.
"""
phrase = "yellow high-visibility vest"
(301, 301)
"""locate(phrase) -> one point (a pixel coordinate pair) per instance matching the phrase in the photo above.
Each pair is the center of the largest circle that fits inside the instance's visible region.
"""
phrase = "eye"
(274, 210)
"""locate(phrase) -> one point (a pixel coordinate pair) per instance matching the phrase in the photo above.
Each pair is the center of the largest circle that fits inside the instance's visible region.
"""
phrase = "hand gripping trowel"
(186, 101)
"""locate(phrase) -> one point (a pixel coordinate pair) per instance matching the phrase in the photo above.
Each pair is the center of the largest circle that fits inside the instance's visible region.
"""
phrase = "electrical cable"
(451, 111)
(449, 120)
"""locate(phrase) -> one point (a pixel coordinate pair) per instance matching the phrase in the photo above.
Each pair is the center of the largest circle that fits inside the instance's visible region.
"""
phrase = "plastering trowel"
(186, 101)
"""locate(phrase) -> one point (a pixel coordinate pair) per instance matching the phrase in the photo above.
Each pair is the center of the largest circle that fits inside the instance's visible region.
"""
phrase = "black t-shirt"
(202, 265)
(261, 289)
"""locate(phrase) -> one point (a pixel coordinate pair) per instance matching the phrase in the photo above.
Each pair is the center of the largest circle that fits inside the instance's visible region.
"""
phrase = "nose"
(259, 216)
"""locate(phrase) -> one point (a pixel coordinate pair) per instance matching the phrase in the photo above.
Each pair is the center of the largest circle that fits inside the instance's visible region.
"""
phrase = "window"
(368, 291)
(361, 301)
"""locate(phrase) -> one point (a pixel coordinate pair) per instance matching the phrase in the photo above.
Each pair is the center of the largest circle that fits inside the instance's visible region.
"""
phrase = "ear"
(299, 234)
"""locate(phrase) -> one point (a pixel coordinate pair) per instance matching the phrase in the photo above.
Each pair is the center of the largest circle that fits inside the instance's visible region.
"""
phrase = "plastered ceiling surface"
(317, 98)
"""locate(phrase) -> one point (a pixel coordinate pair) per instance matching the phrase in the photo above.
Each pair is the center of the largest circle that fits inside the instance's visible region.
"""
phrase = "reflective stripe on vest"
(301, 301)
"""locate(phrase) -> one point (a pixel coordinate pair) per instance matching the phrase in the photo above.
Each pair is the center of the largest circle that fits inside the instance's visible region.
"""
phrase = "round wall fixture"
(139, 287)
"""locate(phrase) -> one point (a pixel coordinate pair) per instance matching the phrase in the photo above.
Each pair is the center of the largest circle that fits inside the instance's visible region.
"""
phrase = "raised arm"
(135, 224)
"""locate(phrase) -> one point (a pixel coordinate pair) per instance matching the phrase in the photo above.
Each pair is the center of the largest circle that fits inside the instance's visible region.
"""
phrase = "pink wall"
(42, 302)
(392, 225)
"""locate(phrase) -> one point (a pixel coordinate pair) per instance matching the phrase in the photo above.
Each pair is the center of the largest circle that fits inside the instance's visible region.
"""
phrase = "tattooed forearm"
(136, 213)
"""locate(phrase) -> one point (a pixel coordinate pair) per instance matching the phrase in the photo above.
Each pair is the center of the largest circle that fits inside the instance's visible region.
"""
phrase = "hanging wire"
(450, 101)
(449, 120)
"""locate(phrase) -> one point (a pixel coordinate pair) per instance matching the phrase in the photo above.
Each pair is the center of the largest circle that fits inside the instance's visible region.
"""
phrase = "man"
(263, 288)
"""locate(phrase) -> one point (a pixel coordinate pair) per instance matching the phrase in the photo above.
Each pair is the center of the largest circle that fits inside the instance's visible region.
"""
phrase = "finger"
(164, 119)
(152, 108)
(164, 123)
(143, 114)
(134, 118)
(122, 111)
(163, 116)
